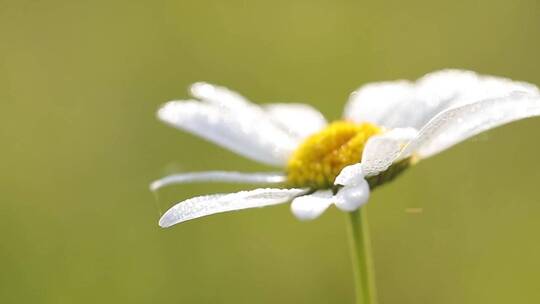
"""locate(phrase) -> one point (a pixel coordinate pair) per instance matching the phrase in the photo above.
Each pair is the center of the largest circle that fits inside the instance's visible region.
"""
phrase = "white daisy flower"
(386, 128)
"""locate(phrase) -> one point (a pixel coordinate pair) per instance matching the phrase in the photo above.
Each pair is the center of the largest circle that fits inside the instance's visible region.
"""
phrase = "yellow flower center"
(322, 156)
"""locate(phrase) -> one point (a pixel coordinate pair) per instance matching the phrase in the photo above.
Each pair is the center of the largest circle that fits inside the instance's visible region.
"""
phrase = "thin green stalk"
(364, 272)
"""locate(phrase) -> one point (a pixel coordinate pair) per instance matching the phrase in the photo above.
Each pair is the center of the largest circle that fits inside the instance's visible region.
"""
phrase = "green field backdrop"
(80, 82)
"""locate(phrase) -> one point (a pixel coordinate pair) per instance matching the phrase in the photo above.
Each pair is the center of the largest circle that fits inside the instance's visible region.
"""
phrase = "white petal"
(350, 175)
(210, 204)
(247, 134)
(382, 150)
(460, 123)
(375, 102)
(219, 176)
(311, 206)
(350, 198)
(221, 97)
(299, 120)
(407, 104)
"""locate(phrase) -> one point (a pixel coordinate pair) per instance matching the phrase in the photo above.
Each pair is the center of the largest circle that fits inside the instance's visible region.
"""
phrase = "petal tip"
(201, 89)
(166, 111)
(165, 221)
(303, 215)
(350, 175)
(311, 206)
(154, 186)
(350, 198)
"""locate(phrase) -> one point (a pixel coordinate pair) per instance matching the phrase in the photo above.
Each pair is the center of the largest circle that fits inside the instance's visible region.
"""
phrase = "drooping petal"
(210, 204)
(457, 124)
(311, 206)
(299, 120)
(350, 175)
(350, 198)
(249, 134)
(383, 150)
(412, 104)
(219, 176)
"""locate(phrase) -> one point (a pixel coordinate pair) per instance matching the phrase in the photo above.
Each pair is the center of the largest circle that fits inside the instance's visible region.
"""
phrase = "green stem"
(364, 272)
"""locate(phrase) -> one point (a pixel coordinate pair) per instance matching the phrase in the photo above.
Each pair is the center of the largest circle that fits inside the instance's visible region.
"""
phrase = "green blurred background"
(80, 82)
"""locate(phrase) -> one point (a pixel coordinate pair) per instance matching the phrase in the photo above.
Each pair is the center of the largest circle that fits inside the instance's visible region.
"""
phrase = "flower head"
(386, 128)
(320, 158)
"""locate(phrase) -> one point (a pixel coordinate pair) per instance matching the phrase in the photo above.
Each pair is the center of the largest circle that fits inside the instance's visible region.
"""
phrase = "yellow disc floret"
(322, 156)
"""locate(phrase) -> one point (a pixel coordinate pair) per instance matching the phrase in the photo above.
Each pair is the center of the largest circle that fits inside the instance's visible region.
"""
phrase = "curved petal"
(311, 206)
(350, 175)
(219, 176)
(350, 198)
(459, 123)
(248, 133)
(413, 104)
(299, 120)
(382, 150)
(210, 204)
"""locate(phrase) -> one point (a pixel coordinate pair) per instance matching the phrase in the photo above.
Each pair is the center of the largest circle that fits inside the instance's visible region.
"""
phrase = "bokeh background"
(80, 82)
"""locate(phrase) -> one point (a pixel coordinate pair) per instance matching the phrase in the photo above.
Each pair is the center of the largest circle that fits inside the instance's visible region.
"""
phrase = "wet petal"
(412, 104)
(350, 198)
(374, 102)
(350, 175)
(383, 150)
(299, 120)
(219, 176)
(222, 97)
(311, 206)
(211, 204)
(460, 123)
(252, 135)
